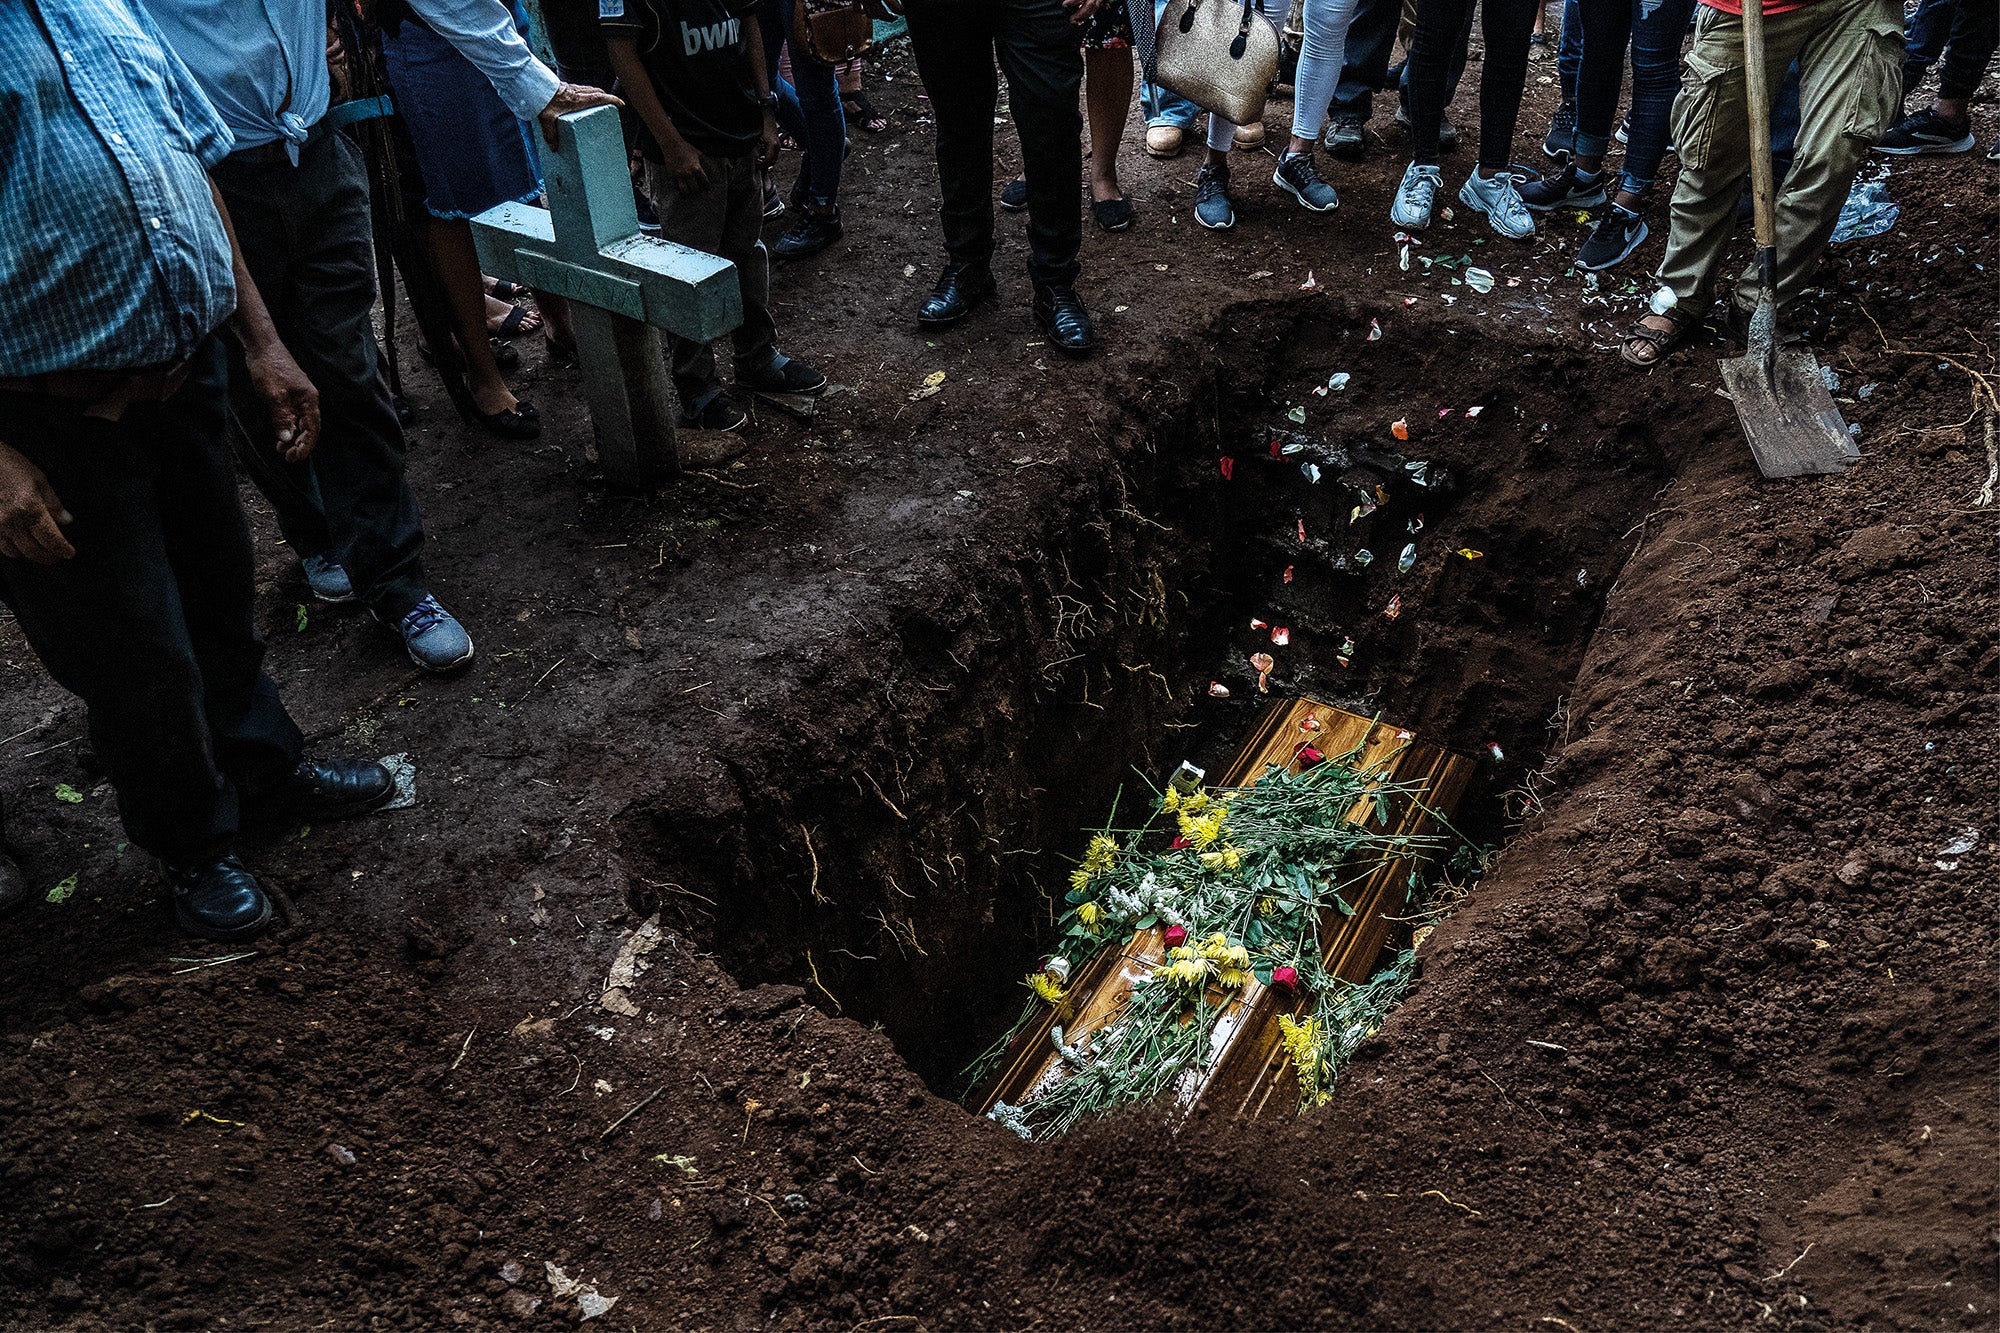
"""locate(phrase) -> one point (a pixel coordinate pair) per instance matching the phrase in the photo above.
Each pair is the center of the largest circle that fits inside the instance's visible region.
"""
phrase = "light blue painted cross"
(622, 285)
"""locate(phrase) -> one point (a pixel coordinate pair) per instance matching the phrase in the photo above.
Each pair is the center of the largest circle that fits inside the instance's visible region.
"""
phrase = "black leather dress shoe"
(958, 290)
(218, 900)
(1060, 314)
(13, 884)
(331, 789)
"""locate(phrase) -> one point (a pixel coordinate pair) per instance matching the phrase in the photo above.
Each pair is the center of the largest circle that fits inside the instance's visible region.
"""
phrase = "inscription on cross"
(623, 286)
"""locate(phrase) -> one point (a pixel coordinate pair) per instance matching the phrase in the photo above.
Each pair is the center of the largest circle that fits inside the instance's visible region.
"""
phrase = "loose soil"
(1711, 1043)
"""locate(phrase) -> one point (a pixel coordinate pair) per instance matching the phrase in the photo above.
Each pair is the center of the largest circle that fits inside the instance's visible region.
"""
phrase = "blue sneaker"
(1297, 177)
(328, 581)
(1212, 208)
(435, 640)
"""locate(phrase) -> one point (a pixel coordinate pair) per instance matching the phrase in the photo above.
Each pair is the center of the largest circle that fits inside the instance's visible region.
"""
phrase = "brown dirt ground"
(1712, 1044)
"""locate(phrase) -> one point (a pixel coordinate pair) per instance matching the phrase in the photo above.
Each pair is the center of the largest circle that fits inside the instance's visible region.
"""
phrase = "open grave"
(1333, 517)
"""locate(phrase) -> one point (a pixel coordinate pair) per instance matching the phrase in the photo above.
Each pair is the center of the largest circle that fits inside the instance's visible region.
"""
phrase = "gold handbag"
(831, 31)
(1219, 54)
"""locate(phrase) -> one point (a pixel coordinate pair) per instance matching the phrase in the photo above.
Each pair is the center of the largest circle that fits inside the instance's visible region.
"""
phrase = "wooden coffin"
(1249, 1062)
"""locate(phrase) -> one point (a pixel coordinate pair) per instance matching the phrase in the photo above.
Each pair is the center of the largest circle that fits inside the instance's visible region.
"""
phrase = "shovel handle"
(1757, 89)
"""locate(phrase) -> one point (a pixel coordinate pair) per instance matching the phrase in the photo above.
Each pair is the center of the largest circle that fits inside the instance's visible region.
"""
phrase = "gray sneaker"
(1297, 177)
(328, 581)
(433, 637)
(1344, 137)
(1415, 197)
(1212, 208)
(1500, 200)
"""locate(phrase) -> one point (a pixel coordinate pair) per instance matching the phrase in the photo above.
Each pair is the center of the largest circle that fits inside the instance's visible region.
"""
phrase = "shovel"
(1780, 393)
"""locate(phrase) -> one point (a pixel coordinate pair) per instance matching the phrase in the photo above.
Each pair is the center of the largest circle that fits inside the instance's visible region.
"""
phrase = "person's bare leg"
(1107, 97)
(1955, 109)
(458, 269)
(555, 315)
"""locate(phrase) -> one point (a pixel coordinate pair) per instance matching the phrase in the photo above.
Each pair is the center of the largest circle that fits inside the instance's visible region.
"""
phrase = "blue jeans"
(808, 107)
(1655, 29)
(1569, 57)
(1930, 26)
(1159, 106)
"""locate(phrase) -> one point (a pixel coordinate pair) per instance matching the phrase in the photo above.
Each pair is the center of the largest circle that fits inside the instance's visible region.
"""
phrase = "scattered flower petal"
(1394, 608)
(1311, 284)
(1228, 466)
(1374, 330)
(1280, 635)
(1469, 553)
(1400, 428)
(1217, 690)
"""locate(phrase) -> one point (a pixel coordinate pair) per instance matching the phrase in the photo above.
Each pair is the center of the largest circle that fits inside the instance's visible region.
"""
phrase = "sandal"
(561, 353)
(520, 422)
(521, 319)
(1662, 341)
(858, 109)
(502, 290)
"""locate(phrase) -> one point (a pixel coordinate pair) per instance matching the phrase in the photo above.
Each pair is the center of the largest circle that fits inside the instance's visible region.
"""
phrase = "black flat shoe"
(218, 900)
(335, 788)
(1112, 214)
(1059, 313)
(958, 290)
(522, 422)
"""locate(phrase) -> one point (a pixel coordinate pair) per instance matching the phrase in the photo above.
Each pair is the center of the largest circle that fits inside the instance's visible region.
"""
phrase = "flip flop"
(521, 319)
(502, 290)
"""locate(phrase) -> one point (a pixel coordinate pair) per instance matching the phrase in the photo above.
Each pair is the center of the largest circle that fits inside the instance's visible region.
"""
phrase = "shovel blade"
(1787, 414)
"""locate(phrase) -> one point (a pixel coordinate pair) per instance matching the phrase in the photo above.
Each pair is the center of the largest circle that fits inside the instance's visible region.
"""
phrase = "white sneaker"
(1500, 200)
(1416, 195)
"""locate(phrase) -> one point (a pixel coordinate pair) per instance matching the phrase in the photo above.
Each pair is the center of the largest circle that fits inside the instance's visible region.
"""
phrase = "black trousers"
(150, 623)
(1503, 73)
(956, 43)
(1975, 34)
(306, 236)
(1365, 71)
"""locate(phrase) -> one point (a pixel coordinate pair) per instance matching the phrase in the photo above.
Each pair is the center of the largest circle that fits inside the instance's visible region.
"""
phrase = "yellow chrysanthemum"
(1079, 879)
(1231, 859)
(1302, 1043)
(1215, 947)
(1090, 914)
(1045, 986)
(1204, 831)
(1267, 907)
(1098, 856)
(1194, 804)
(1211, 861)
(1170, 801)
(1183, 970)
(1233, 978)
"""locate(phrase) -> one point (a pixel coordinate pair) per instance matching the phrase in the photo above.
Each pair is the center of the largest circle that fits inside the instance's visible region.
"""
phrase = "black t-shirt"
(698, 54)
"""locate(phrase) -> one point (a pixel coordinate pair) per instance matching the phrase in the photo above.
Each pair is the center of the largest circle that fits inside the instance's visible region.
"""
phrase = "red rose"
(1308, 756)
(1285, 979)
(1177, 844)
(1175, 936)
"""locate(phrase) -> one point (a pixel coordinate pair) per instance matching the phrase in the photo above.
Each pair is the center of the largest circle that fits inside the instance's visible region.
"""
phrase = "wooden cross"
(622, 284)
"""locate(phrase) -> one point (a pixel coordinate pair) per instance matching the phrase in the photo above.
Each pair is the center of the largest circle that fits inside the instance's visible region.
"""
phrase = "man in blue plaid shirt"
(123, 552)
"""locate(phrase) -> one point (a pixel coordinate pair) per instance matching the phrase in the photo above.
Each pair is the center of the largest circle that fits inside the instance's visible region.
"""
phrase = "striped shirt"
(112, 255)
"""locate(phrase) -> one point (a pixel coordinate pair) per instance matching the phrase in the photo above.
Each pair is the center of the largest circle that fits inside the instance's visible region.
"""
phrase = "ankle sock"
(1589, 178)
